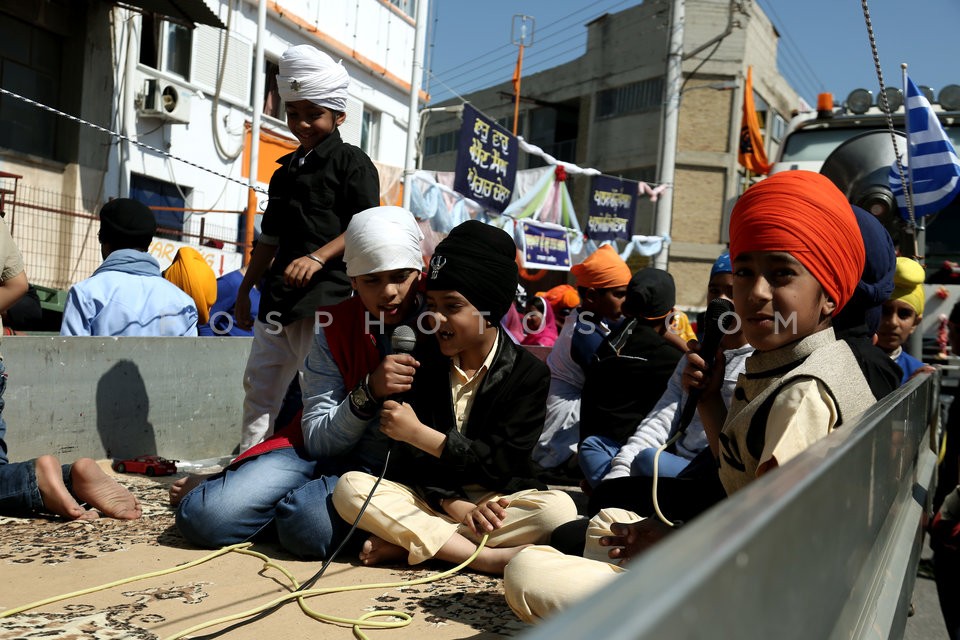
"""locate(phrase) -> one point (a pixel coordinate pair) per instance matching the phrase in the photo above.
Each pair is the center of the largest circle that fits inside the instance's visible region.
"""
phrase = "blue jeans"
(597, 453)
(670, 465)
(595, 456)
(280, 495)
(19, 491)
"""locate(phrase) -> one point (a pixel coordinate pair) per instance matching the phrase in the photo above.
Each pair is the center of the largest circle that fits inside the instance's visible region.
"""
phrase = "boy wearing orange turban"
(797, 257)
(601, 281)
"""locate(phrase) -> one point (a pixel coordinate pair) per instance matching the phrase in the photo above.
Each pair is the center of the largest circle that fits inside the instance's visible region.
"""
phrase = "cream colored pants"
(398, 515)
(540, 581)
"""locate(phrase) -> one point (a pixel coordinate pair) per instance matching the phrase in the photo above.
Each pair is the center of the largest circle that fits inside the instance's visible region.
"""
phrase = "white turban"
(382, 239)
(309, 74)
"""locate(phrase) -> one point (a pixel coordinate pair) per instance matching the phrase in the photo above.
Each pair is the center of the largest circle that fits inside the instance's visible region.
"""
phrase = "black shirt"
(310, 204)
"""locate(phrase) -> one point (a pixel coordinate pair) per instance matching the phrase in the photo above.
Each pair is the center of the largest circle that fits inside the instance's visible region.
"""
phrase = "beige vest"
(819, 356)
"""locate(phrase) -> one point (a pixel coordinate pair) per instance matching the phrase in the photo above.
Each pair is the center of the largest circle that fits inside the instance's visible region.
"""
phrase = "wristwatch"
(362, 401)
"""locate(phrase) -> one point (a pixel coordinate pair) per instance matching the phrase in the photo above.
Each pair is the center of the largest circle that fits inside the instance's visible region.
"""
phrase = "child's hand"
(399, 422)
(631, 539)
(487, 517)
(299, 272)
(696, 375)
(393, 376)
(241, 312)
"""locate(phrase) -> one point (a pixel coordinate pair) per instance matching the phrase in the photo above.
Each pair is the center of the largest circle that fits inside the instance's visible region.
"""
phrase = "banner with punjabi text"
(486, 161)
(613, 202)
(544, 245)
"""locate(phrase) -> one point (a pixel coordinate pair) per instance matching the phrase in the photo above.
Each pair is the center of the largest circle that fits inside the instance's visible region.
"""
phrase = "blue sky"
(824, 44)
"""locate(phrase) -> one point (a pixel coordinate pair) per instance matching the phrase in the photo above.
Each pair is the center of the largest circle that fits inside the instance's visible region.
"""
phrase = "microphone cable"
(717, 321)
(312, 579)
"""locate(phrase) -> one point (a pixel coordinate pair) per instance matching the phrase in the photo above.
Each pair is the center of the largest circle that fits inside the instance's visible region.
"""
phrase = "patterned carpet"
(42, 558)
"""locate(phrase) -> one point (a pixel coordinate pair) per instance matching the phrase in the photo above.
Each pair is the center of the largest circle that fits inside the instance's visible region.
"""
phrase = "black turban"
(123, 220)
(478, 261)
(651, 294)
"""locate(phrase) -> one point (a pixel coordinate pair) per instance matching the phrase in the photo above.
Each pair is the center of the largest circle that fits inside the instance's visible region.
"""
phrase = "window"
(369, 132)
(407, 6)
(30, 60)
(441, 143)
(630, 98)
(156, 193)
(165, 46)
(272, 104)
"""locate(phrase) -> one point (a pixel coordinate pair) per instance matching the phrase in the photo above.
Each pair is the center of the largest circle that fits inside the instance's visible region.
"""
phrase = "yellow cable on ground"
(154, 574)
(300, 596)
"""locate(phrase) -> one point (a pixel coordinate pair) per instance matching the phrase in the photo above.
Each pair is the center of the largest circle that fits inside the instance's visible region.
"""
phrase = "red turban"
(603, 269)
(804, 214)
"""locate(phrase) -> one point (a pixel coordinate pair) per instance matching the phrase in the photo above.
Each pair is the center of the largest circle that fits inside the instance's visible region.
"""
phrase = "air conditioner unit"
(163, 99)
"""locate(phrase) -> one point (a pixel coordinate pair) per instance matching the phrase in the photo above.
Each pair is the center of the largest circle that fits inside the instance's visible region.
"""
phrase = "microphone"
(717, 320)
(403, 340)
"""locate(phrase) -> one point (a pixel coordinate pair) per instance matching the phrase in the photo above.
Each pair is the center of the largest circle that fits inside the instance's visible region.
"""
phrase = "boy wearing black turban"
(462, 468)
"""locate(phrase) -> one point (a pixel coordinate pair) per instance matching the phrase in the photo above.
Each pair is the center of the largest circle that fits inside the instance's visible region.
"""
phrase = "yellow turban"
(908, 284)
(190, 272)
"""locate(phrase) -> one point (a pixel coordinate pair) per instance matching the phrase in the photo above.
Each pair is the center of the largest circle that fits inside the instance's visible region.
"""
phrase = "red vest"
(356, 354)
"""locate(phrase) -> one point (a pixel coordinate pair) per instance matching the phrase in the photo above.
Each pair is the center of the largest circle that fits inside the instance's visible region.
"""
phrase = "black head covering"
(478, 261)
(127, 222)
(651, 294)
(876, 281)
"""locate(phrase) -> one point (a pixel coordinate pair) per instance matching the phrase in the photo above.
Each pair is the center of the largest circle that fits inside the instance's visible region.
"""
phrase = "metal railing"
(825, 547)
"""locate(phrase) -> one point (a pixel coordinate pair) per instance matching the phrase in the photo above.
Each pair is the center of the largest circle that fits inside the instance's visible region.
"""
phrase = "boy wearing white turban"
(313, 195)
(281, 488)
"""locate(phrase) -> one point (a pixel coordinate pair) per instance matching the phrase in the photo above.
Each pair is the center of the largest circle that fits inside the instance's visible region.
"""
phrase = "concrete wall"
(119, 397)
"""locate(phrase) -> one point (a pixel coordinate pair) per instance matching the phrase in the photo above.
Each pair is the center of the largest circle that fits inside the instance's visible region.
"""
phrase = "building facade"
(605, 110)
(164, 103)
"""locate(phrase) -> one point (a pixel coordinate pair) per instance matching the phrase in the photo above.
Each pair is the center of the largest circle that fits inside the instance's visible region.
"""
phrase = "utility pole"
(522, 39)
(671, 119)
(413, 114)
(254, 166)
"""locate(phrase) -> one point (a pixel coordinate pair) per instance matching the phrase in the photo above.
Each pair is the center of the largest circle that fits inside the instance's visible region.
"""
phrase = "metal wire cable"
(885, 107)
(130, 140)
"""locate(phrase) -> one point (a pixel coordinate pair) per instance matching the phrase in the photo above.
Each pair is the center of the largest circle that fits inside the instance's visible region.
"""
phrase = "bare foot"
(493, 559)
(102, 492)
(56, 498)
(378, 551)
(183, 486)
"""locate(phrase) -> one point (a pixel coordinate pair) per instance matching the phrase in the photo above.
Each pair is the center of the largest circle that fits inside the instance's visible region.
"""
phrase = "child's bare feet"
(183, 486)
(102, 492)
(56, 498)
(378, 551)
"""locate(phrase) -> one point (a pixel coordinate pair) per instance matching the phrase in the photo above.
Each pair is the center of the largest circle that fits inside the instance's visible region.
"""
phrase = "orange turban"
(192, 274)
(603, 269)
(804, 214)
(562, 296)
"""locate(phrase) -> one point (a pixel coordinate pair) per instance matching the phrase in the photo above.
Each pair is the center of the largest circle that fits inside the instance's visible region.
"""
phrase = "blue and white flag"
(931, 163)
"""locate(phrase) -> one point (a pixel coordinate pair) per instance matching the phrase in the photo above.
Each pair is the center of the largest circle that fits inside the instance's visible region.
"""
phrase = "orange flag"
(752, 154)
(517, 72)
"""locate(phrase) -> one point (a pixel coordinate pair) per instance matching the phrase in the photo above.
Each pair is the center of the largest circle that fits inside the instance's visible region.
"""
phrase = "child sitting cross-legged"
(461, 463)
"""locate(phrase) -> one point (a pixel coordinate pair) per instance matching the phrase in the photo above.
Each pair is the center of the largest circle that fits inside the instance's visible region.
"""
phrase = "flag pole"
(525, 24)
(516, 88)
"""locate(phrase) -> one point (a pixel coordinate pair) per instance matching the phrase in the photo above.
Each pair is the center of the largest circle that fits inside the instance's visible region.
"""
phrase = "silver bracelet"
(316, 259)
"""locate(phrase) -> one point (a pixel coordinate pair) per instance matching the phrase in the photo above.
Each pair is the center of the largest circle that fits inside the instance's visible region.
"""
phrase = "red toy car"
(150, 465)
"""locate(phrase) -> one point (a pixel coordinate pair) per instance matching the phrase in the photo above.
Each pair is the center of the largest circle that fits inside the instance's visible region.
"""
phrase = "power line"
(500, 59)
(792, 50)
